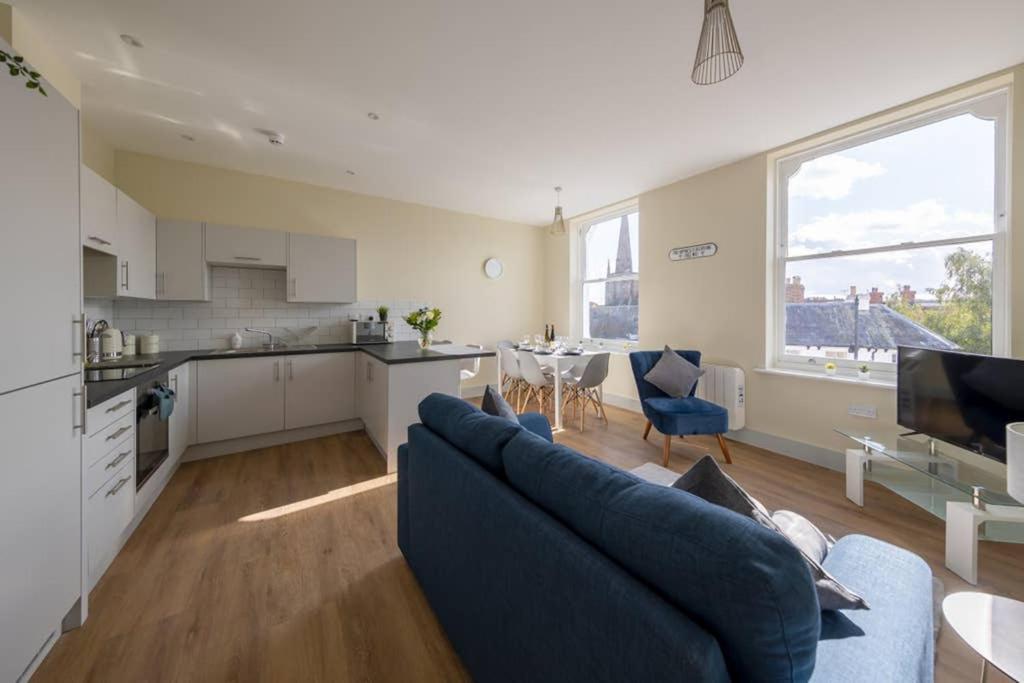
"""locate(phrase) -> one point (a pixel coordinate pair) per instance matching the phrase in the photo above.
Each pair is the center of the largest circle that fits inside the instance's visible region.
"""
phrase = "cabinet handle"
(295, 287)
(291, 370)
(161, 278)
(102, 241)
(115, 408)
(118, 486)
(78, 412)
(118, 433)
(248, 258)
(174, 378)
(77, 337)
(124, 269)
(117, 460)
(277, 370)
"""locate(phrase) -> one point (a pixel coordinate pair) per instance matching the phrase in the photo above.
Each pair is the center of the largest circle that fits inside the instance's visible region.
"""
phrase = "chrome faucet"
(270, 337)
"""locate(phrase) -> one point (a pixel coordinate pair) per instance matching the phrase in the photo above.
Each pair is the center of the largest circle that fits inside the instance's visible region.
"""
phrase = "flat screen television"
(960, 398)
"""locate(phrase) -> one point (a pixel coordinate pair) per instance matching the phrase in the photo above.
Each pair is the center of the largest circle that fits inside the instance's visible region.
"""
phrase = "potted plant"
(830, 368)
(382, 313)
(424, 321)
(864, 372)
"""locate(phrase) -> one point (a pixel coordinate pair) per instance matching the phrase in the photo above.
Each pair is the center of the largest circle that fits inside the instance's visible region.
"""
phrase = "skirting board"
(247, 443)
(797, 450)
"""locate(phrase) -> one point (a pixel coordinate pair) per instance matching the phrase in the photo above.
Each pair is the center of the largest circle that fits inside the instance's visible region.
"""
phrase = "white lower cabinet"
(319, 389)
(372, 389)
(41, 513)
(239, 397)
(109, 512)
(178, 428)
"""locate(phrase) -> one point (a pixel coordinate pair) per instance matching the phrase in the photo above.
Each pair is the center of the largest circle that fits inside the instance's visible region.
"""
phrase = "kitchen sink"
(277, 348)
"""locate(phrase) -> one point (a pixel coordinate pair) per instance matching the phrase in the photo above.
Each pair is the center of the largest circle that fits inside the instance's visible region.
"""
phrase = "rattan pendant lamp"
(718, 52)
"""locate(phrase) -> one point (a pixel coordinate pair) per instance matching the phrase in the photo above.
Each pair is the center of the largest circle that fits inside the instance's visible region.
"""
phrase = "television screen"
(960, 398)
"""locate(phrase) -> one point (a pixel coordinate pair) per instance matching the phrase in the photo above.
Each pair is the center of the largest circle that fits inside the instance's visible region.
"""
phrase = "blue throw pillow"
(495, 404)
(747, 585)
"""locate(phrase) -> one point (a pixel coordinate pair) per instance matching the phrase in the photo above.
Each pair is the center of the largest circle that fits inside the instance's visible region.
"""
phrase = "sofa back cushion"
(748, 585)
(478, 435)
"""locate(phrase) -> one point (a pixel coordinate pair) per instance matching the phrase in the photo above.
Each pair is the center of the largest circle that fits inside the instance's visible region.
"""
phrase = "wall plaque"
(693, 251)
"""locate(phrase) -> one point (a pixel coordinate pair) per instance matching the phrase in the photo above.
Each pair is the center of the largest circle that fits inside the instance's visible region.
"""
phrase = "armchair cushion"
(690, 415)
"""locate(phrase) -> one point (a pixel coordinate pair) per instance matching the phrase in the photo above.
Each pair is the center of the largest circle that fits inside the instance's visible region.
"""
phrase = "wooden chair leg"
(647, 430)
(666, 450)
(725, 449)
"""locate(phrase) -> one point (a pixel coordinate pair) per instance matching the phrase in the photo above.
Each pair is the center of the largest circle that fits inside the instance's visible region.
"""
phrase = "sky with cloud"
(930, 183)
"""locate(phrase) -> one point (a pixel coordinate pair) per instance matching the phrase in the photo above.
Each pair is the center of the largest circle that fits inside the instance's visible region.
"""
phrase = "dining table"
(557, 363)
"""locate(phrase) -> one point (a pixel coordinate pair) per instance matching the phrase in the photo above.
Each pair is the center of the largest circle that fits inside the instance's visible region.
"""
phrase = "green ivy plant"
(17, 68)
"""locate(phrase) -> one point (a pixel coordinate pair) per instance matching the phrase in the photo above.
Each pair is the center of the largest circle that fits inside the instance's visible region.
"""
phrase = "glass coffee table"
(964, 494)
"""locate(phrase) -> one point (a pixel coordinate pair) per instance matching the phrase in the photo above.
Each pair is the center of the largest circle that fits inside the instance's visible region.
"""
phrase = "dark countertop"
(389, 354)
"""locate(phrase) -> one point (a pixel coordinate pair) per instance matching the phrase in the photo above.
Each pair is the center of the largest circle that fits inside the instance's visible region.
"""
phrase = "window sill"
(822, 377)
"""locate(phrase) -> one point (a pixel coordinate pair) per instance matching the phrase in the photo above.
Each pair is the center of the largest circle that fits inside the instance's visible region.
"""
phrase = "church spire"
(624, 257)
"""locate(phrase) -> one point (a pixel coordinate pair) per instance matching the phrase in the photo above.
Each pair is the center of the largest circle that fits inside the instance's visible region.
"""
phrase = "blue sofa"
(542, 564)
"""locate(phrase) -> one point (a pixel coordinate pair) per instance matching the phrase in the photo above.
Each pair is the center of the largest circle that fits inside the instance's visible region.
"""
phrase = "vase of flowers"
(424, 320)
(864, 372)
(830, 368)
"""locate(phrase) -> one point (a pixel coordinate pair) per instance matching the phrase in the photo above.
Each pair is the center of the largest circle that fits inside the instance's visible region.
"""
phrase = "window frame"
(581, 226)
(991, 104)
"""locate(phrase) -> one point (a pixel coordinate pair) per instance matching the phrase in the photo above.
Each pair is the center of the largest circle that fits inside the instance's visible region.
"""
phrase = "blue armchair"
(677, 416)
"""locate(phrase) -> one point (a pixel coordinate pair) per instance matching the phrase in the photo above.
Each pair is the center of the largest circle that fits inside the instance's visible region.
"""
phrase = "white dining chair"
(541, 385)
(585, 389)
(512, 382)
(469, 367)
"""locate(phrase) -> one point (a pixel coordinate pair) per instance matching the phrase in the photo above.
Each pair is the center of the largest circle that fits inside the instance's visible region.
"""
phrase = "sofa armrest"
(892, 641)
(538, 424)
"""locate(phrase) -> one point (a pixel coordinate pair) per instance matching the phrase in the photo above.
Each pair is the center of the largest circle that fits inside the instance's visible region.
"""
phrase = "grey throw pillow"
(803, 534)
(673, 374)
(494, 403)
(707, 480)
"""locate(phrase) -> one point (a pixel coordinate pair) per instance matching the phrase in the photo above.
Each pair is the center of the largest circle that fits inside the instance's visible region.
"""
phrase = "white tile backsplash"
(243, 297)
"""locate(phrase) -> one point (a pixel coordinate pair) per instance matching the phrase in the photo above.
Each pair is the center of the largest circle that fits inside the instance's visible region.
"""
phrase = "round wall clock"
(493, 268)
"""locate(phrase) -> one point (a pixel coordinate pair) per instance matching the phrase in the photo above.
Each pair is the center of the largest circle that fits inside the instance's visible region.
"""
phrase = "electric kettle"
(111, 343)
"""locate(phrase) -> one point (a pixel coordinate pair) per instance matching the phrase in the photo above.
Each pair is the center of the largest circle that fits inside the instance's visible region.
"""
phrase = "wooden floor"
(282, 565)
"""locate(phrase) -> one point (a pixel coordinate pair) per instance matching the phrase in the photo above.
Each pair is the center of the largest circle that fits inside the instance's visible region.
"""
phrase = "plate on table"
(524, 348)
(541, 352)
(572, 352)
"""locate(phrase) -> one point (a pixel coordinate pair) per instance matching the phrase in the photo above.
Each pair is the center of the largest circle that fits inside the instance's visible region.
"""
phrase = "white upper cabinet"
(320, 388)
(99, 212)
(41, 253)
(321, 269)
(136, 249)
(228, 245)
(181, 270)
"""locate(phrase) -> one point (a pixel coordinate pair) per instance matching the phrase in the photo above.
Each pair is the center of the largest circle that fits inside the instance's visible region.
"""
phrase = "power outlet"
(863, 410)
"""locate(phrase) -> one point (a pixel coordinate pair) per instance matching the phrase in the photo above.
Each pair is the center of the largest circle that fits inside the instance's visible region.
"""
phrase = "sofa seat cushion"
(893, 641)
(689, 415)
(478, 435)
(748, 585)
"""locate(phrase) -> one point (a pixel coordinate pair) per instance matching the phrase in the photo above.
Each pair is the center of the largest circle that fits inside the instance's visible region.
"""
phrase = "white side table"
(993, 626)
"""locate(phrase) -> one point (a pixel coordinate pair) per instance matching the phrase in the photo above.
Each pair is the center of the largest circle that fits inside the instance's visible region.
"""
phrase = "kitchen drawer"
(108, 513)
(101, 416)
(107, 439)
(103, 470)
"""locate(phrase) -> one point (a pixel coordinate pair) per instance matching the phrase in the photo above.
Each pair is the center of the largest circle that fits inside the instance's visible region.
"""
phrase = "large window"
(609, 300)
(894, 237)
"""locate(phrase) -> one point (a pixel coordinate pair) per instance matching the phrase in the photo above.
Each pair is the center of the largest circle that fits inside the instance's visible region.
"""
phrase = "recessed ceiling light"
(373, 116)
(131, 40)
(186, 136)
(350, 172)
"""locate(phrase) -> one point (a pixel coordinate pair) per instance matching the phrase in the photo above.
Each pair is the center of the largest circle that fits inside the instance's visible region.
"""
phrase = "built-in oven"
(151, 448)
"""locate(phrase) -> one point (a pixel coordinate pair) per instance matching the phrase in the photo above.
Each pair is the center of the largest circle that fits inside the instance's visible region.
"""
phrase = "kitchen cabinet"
(181, 270)
(136, 249)
(99, 212)
(108, 513)
(319, 388)
(239, 397)
(178, 429)
(41, 253)
(229, 245)
(40, 505)
(321, 269)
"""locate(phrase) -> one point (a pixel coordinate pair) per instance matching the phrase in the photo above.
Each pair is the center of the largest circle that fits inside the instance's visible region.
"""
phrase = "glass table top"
(959, 474)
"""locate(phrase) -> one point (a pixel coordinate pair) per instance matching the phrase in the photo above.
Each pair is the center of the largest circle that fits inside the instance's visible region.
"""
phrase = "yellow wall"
(718, 305)
(31, 42)
(406, 251)
(97, 154)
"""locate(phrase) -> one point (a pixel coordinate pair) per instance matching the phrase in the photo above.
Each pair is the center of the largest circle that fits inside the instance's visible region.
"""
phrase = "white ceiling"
(485, 105)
